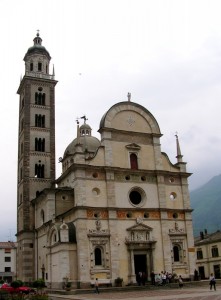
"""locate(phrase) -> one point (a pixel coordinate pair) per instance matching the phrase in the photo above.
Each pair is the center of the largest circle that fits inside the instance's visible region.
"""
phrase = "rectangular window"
(7, 258)
(215, 252)
(199, 254)
(7, 250)
(7, 269)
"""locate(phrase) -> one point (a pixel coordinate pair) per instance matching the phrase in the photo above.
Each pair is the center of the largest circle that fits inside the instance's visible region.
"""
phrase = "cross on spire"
(85, 119)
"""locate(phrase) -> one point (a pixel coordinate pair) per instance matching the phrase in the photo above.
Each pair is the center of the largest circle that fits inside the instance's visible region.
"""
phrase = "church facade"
(120, 206)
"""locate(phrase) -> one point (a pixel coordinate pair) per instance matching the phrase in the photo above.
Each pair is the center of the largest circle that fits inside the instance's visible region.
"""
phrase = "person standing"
(139, 278)
(196, 275)
(97, 286)
(180, 281)
(212, 282)
(152, 276)
(144, 277)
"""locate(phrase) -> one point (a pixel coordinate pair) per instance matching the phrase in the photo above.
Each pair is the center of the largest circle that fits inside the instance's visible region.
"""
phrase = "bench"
(102, 282)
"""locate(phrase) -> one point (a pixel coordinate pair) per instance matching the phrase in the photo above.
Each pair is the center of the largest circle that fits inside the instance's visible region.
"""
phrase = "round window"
(146, 215)
(175, 215)
(129, 215)
(171, 179)
(143, 178)
(96, 191)
(173, 196)
(136, 196)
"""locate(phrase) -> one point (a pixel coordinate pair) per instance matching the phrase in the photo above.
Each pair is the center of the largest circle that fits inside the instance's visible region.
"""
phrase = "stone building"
(119, 207)
(208, 250)
(8, 261)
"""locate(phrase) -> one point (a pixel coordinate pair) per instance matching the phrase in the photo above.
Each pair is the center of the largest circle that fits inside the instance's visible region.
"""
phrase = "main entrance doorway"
(140, 263)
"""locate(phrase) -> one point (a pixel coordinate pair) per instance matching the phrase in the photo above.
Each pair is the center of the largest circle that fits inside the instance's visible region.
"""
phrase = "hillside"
(206, 202)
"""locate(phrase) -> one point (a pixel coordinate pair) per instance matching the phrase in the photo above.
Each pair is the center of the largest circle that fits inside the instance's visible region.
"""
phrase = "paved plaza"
(198, 293)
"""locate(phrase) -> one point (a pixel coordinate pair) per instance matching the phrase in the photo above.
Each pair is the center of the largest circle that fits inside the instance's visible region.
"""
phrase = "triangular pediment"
(140, 227)
(139, 235)
(133, 146)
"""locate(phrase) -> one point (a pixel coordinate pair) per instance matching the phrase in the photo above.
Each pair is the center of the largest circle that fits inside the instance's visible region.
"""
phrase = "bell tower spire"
(179, 155)
(36, 148)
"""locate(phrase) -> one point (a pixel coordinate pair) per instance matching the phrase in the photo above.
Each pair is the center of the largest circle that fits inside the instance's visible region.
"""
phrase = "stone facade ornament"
(98, 225)
(139, 220)
(176, 229)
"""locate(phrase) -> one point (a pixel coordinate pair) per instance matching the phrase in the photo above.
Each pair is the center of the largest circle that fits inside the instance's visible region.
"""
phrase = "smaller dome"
(85, 129)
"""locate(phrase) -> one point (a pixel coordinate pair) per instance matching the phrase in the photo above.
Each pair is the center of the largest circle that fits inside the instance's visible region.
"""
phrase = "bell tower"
(36, 149)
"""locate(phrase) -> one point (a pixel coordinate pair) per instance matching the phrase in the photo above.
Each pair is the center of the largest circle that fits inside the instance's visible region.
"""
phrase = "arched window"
(53, 236)
(39, 171)
(39, 66)
(31, 66)
(43, 99)
(176, 253)
(97, 257)
(40, 144)
(39, 98)
(40, 121)
(133, 161)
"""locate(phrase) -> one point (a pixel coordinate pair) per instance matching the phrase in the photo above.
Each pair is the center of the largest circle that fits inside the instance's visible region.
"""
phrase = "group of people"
(162, 278)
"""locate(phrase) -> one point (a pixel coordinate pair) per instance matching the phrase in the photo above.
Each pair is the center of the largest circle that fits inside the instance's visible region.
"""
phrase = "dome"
(85, 129)
(37, 48)
(89, 143)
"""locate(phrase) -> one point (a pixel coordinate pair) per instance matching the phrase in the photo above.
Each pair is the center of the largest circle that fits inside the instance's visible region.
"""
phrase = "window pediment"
(133, 147)
(139, 234)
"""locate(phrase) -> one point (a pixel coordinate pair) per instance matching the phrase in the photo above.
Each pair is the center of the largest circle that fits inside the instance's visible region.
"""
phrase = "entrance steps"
(128, 288)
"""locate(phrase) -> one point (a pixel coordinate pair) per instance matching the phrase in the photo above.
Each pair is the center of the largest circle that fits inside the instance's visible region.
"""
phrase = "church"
(120, 206)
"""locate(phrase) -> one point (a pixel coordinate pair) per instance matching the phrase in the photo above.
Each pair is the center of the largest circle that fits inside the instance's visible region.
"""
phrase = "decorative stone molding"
(176, 230)
(133, 147)
(98, 232)
(140, 236)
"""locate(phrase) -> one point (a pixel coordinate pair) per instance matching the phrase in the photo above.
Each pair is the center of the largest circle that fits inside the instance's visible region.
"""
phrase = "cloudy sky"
(166, 53)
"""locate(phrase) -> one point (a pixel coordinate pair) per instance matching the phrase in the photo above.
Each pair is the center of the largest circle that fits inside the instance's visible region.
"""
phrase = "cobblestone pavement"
(200, 293)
